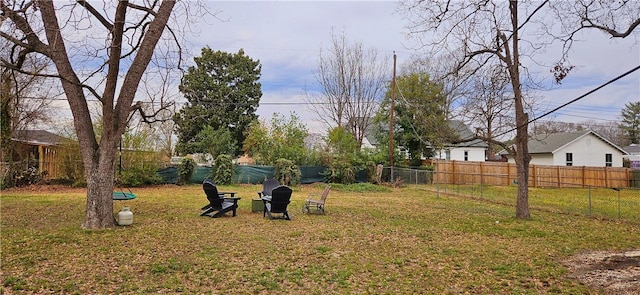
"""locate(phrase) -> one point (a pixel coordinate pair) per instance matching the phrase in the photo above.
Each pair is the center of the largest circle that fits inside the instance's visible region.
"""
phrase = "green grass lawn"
(606, 203)
(386, 241)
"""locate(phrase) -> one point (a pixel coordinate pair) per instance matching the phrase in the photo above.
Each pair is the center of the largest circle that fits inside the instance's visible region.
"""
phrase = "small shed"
(38, 148)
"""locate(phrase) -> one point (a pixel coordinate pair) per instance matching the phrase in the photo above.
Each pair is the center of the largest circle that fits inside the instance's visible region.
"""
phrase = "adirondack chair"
(316, 205)
(277, 204)
(268, 186)
(218, 203)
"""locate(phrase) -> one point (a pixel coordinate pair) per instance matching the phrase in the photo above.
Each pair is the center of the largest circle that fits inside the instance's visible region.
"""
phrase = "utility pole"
(393, 96)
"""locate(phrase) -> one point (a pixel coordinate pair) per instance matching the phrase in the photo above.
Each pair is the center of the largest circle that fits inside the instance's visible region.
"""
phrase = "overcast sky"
(286, 36)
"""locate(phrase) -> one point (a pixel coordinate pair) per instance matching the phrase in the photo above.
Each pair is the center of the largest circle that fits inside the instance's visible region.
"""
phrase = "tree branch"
(612, 32)
(96, 14)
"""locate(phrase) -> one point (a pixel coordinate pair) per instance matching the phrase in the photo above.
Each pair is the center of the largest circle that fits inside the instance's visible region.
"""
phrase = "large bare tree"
(485, 32)
(100, 54)
(489, 104)
(352, 83)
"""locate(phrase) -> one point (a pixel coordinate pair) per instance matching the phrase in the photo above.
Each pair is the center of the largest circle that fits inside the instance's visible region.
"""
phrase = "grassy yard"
(623, 204)
(387, 241)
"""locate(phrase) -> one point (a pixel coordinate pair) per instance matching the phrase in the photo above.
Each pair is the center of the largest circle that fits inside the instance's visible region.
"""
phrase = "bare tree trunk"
(522, 156)
(99, 207)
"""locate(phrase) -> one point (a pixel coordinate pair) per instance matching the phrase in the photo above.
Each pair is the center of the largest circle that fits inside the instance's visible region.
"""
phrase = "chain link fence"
(612, 203)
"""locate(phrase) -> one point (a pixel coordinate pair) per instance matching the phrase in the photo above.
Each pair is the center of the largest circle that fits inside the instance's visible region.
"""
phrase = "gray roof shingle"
(464, 133)
(633, 149)
(38, 137)
(549, 143)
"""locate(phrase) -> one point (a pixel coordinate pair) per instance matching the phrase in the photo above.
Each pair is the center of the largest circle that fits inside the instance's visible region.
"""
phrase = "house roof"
(38, 137)
(457, 126)
(464, 133)
(633, 149)
(550, 143)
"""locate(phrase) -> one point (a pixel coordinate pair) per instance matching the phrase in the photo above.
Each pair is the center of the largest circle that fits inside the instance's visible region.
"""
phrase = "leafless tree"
(615, 19)
(485, 32)
(352, 82)
(23, 97)
(489, 104)
(100, 53)
(609, 130)
(549, 127)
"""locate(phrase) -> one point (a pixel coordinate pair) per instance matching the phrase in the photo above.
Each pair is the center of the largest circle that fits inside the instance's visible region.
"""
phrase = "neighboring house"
(368, 140)
(633, 156)
(474, 150)
(583, 148)
(38, 148)
(633, 149)
(245, 160)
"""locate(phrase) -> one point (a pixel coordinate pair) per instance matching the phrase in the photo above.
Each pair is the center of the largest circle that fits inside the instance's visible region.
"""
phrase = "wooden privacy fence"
(502, 173)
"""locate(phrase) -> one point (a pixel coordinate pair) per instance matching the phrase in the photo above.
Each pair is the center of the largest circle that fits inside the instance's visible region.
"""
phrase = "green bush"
(140, 176)
(372, 174)
(340, 172)
(223, 170)
(287, 173)
(185, 169)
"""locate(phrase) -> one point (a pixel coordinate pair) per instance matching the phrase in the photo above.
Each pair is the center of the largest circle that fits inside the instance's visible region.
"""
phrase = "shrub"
(223, 171)
(287, 173)
(140, 176)
(340, 172)
(27, 176)
(372, 172)
(185, 170)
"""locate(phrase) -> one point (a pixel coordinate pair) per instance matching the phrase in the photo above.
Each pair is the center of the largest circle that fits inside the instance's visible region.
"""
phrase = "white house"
(583, 148)
(474, 150)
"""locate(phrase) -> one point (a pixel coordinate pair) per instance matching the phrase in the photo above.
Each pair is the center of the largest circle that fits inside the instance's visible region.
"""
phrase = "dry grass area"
(387, 241)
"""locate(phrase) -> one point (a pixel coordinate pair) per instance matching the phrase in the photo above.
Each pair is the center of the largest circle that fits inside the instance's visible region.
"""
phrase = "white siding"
(536, 159)
(542, 159)
(588, 151)
(476, 154)
(366, 144)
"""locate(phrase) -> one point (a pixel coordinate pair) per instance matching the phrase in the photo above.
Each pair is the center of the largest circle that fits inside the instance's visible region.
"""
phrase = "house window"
(569, 159)
(608, 160)
(447, 155)
(466, 155)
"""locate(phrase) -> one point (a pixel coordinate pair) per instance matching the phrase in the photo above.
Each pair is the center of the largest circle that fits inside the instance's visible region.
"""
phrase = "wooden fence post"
(481, 173)
(533, 174)
(558, 177)
(453, 169)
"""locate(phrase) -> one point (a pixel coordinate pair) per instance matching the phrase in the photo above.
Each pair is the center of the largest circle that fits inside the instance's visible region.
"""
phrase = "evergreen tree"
(631, 121)
(222, 91)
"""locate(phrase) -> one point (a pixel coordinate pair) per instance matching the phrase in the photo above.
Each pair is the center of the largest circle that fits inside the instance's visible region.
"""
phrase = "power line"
(575, 99)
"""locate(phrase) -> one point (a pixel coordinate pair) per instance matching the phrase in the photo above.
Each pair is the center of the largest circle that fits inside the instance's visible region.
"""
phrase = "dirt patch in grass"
(612, 272)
